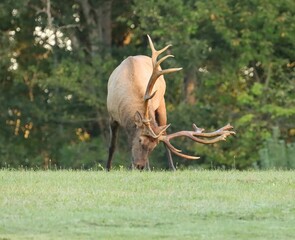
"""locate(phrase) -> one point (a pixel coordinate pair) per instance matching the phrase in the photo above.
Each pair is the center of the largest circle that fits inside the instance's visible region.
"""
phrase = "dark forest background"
(238, 67)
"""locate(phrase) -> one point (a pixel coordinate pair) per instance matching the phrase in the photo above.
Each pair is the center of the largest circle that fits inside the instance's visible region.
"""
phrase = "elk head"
(144, 141)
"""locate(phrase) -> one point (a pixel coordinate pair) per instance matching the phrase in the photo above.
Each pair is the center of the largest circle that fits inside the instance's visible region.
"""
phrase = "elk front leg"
(114, 126)
(170, 160)
(161, 119)
(147, 166)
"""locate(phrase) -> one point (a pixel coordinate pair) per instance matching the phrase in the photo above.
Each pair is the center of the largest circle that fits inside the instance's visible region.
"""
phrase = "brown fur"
(126, 88)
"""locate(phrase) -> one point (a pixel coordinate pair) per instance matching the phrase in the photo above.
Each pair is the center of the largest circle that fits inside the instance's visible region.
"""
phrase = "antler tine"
(151, 44)
(156, 53)
(163, 59)
(186, 156)
(177, 151)
(157, 72)
(216, 136)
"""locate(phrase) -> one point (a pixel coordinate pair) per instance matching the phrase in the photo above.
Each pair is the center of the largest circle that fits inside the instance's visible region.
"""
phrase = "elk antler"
(157, 72)
(216, 136)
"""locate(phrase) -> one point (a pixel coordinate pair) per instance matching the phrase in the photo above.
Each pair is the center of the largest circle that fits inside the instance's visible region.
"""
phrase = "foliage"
(56, 57)
(277, 153)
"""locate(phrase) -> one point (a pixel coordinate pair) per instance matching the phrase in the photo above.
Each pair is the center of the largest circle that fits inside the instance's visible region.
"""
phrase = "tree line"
(56, 57)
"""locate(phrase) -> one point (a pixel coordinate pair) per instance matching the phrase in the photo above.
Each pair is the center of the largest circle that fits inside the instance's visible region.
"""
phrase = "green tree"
(52, 84)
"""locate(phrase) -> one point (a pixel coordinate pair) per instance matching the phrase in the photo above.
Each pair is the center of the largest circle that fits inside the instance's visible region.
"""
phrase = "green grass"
(147, 205)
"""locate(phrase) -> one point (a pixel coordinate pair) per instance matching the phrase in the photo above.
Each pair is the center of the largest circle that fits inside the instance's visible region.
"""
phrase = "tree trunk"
(190, 85)
(98, 24)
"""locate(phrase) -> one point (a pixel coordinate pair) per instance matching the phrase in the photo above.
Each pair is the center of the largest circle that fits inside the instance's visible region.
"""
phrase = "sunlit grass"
(147, 205)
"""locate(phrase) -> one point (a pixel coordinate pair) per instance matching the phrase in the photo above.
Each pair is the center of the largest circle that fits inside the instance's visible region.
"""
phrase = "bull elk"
(136, 102)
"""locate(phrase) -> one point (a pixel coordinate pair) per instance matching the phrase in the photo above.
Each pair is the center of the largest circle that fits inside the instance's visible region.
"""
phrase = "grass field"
(147, 205)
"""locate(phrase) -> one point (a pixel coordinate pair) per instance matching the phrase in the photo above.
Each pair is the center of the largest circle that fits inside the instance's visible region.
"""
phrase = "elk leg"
(113, 140)
(161, 119)
(170, 160)
(147, 166)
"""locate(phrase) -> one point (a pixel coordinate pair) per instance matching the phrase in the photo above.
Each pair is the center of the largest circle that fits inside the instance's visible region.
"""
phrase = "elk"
(135, 102)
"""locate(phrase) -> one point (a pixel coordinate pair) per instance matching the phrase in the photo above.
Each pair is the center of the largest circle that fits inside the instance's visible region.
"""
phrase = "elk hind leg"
(114, 126)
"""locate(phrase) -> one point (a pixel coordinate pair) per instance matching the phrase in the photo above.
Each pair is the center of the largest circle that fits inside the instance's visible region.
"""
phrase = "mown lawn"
(147, 205)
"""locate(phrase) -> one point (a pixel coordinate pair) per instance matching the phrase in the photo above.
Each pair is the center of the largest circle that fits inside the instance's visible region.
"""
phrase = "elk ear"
(138, 119)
